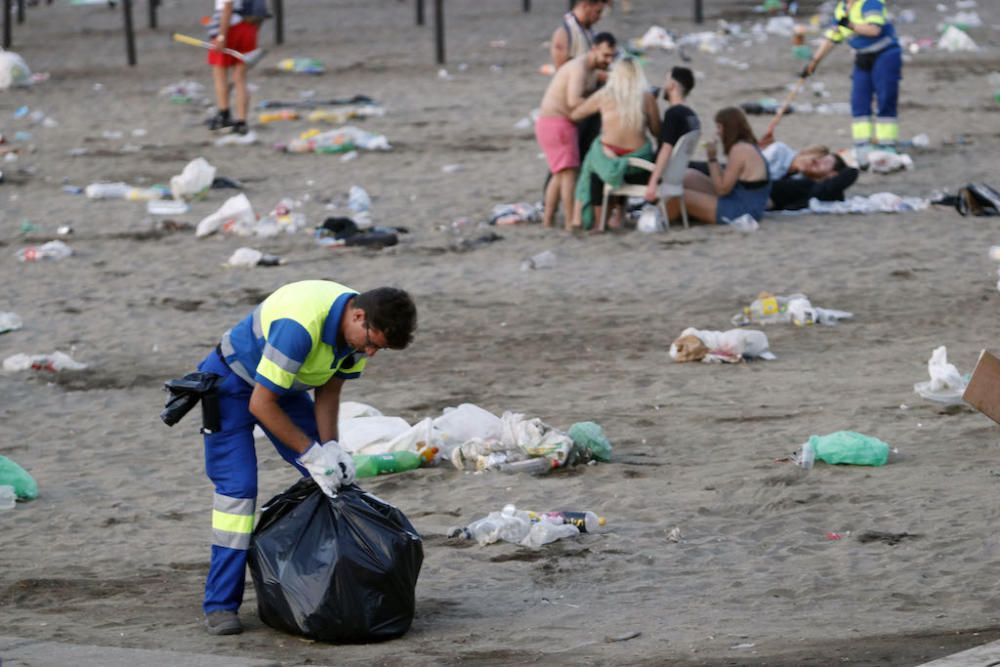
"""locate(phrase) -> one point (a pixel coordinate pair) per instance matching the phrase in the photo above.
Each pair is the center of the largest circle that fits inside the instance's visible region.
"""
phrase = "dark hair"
(605, 38)
(838, 163)
(735, 128)
(684, 77)
(391, 311)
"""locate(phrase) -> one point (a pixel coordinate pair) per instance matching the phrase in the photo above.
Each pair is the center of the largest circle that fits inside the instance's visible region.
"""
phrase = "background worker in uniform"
(309, 335)
(878, 67)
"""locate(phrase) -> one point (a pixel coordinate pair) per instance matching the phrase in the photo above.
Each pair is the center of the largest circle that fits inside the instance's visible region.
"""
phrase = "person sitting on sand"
(744, 186)
(627, 111)
(556, 133)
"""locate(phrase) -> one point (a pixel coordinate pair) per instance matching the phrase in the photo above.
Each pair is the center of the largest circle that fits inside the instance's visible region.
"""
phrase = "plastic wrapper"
(341, 569)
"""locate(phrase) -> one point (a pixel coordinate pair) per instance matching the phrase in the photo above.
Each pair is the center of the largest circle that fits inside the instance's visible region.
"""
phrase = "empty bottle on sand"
(371, 465)
(586, 522)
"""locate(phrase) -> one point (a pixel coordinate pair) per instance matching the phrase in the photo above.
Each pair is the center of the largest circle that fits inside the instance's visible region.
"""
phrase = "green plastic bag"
(850, 448)
(14, 475)
(590, 438)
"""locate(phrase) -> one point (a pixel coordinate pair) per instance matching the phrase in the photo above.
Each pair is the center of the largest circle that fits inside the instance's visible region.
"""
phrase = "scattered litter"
(196, 178)
(744, 223)
(515, 526)
(884, 162)
(342, 231)
(965, 20)
(891, 539)
(623, 637)
(651, 220)
(796, 308)
(843, 447)
(274, 116)
(14, 71)
(235, 212)
(743, 645)
(237, 139)
(452, 168)
(13, 475)
(656, 37)
(675, 534)
(57, 361)
(247, 257)
(339, 140)
(53, 250)
(543, 260)
(183, 92)
(10, 322)
(167, 207)
(301, 65)
(284, 217)
(121, 191)
(946, 384)
(954, 39)
(783, 26)
(731, 346)
(880, 202)
(519, 212)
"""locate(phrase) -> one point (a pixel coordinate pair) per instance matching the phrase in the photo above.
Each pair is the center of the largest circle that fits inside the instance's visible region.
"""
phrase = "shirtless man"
(554, 130)
(575, 36)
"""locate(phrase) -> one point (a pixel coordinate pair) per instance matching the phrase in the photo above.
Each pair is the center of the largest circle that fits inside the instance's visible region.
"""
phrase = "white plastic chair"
(625, 189)
(673, 179)
(673, 175)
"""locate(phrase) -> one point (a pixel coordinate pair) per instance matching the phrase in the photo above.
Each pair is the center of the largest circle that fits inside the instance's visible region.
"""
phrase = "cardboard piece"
(983, 390)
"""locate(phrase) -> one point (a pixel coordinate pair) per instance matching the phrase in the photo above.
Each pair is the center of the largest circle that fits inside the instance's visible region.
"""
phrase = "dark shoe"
(220, 121)
(223, 623)
(240, 127)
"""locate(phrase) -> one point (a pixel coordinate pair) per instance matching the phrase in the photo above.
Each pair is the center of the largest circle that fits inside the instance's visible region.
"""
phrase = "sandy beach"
(115, 550)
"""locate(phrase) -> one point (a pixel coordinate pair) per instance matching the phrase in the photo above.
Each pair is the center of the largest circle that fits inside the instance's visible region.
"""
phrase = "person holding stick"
(878, 67)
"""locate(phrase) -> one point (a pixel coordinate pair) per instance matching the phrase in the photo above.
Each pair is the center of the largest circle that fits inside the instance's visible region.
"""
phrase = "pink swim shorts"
(557, 137)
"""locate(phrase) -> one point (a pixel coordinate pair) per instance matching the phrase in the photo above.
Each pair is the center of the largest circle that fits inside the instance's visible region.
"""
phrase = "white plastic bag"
(365, 434)
(196, 177)
(955, 39)
(234, 215)
(729, 346)
(10, 321)
(651, 220)
(534, 437)
(464, 423)
(658, 37)
(13, 70)
(946, 384)
(352, 409)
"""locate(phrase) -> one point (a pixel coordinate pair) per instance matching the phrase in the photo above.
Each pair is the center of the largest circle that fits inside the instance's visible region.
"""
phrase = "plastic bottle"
(7, 497)
(106, 191)
(586, 522)
(370, 465)
(543, 260)
(53, 250)
(536, 466)
(281, 114)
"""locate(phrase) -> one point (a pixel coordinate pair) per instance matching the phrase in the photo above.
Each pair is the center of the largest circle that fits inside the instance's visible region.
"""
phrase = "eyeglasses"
(369, 345)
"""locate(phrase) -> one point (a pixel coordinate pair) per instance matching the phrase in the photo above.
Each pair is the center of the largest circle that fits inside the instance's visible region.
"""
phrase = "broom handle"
(193, 41)
(784, 106)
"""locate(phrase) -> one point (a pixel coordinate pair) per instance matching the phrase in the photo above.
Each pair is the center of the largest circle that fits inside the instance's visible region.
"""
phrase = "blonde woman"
(628, 110)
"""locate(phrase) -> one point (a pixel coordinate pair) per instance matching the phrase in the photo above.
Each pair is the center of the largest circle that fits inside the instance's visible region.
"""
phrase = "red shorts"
(241, 37)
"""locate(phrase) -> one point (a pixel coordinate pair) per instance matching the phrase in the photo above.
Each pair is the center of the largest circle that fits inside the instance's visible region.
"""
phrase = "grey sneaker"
(223, 623)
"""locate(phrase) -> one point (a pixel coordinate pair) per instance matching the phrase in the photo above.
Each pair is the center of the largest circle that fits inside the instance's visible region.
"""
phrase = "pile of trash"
(729, 347)
(183, 92)
(14, 71)
(528, 529)
(513, 214)
(880, 202)
(236, 216)
(474, 439)
(340, 140)
(301, 65)
(795, 308)
(56, 361)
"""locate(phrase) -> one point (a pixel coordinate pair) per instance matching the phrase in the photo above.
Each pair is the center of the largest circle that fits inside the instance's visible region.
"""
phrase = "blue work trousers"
(882, 82)
(231, 464)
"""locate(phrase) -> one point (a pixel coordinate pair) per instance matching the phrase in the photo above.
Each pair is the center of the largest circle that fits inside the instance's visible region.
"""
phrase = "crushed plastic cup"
(8, 499)
(167, 207)
(543, 260)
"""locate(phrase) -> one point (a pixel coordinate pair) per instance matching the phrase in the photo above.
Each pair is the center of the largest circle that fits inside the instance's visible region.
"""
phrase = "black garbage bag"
(341, 570)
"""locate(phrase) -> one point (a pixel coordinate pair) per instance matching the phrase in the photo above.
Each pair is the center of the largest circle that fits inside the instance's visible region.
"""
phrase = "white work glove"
(329, 465)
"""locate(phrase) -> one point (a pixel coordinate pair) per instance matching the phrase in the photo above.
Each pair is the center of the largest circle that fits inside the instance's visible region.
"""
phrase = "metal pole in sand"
(279, 21)
(420, 12)
(129, 32)
(439, 29)
(20, 11)
(153, 4)
(6, 24)
(699, 15)
(527, 6)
